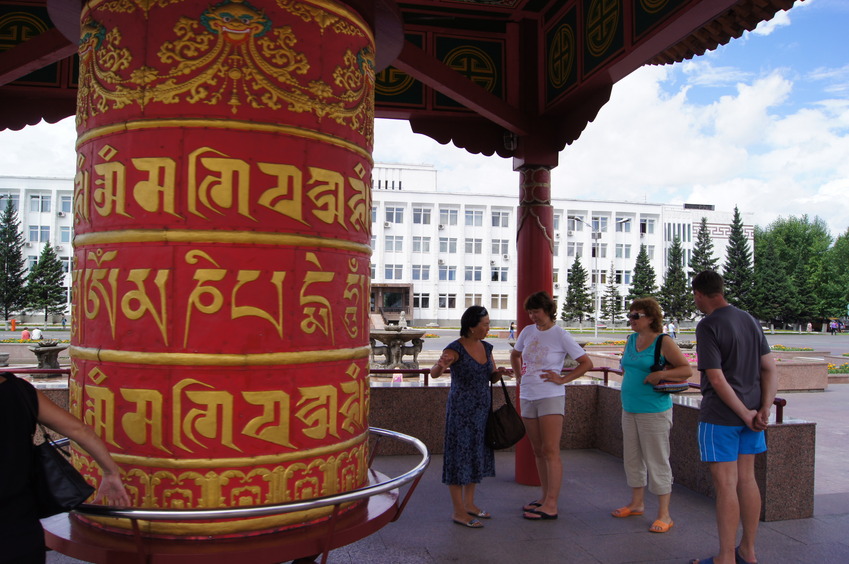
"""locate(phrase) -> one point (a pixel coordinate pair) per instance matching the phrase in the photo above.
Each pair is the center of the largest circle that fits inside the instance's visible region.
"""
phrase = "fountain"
(47, 353)
(393, 347)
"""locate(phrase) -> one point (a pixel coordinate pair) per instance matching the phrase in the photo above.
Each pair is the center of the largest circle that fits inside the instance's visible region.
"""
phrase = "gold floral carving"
(238, 61)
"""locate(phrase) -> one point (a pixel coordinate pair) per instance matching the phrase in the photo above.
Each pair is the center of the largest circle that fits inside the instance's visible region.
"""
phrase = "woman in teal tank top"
(646, 413)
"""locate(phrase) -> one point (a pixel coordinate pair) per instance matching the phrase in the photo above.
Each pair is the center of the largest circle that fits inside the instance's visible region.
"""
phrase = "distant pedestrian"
(671, 329)
(738, 382)
(64, 322)
(810, 326)
(512, 329)
(36, 334)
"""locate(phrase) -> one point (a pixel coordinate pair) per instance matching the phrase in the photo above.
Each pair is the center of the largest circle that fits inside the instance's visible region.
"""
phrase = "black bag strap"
(657, 348)
(504, 389)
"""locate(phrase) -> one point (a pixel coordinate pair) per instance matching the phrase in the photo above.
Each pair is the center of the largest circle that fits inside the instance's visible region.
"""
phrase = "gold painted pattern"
(206, 359)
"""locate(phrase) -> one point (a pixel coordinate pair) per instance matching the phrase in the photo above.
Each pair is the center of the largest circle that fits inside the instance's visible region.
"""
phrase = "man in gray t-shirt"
(738, 388)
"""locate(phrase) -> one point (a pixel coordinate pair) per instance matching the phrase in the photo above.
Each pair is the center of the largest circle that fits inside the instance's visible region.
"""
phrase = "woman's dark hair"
(471, 318)
(651, 308)
(541, 300)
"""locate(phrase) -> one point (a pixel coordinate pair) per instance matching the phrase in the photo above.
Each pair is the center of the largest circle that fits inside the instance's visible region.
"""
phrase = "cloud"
(781, 19)
(39, 150)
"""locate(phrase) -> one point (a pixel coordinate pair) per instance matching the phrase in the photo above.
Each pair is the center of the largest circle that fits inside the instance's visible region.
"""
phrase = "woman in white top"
(537, 360)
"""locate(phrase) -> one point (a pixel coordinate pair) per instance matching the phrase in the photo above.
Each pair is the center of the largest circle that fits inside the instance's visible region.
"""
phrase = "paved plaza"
(594, 484)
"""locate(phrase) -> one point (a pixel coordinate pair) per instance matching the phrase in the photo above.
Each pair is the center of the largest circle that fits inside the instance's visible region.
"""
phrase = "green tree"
(578, 300)
(45, 290)
(12, 266)
(675, 297)
(738, 272)
(702, 258)
(773, 293)
(611, 304)
(643, 285)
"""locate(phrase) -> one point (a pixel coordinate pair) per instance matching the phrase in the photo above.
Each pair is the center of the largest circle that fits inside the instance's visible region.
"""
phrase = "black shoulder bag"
(504, 427)
(58, 486)
(665, 386)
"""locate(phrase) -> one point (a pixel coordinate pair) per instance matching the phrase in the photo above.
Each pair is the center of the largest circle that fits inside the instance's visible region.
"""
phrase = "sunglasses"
(635, 316)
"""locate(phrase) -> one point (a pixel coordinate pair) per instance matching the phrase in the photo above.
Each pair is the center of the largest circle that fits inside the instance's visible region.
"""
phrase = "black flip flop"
(542, 516)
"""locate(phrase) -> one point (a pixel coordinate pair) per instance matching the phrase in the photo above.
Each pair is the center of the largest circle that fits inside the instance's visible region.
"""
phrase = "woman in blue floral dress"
(467, 459)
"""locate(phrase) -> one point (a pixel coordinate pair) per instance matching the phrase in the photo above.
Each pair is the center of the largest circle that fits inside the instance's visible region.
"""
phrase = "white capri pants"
(645, 450)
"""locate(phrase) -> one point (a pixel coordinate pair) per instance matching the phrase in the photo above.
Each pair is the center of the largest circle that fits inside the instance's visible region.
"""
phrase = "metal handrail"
(276, 509)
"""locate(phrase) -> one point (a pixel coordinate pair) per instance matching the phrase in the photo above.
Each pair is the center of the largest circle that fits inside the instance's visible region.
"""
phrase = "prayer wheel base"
(77, 540)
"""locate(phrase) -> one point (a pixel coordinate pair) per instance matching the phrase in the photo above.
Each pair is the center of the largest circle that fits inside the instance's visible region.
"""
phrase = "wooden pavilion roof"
(518, 78)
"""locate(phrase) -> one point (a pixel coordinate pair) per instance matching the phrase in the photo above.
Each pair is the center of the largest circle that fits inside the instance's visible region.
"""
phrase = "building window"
(447, 272)
(474, 246)
(499, 301)
(5, 198)
(374, 214)
(394, 271)
(39, 203)
(647, 226)
(574, 249)
(474, 273)
(599, 224)
(448, 216)
(623, 277)
(421, 272)
(575, 223)
(421, 301)
(598, 277)
(473, 299)
(555, 276)
(447, 301)
(64, 234)
(65, 203)
(39, 233)
(499, 274)
(500, 246)
(500, 219)
(623, 251)
(474, 218)
(557, 248)
(66, 264)
(421, 244)
(448, 245)
(394, 214)
(373, 269)
(394, 243)
(650, 251)
(599, 250)
(623, 224)
(421, 216)
(557, 222)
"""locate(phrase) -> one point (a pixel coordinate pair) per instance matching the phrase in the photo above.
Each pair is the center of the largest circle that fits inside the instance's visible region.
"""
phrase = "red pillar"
(535, 258)
(221, 266)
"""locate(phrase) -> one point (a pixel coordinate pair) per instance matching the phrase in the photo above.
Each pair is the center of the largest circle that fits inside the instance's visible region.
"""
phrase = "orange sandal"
(625, 512)
(660, 527)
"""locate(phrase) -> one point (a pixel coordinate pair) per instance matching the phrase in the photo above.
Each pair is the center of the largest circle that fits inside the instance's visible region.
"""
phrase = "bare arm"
(769, 386)
(680, 370)
(729, 397)
(445, 361)
(584, 364)
(516, 364)
(62, 422)
(498, 373)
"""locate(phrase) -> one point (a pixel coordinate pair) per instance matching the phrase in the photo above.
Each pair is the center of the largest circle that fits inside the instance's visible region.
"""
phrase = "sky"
(761, 123)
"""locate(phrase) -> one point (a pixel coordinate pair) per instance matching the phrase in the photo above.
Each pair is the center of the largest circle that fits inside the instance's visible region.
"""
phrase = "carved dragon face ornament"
(236, 21)
(92, 35)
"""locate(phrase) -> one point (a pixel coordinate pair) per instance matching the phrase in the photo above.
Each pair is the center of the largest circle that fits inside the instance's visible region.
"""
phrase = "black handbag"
(504, 427)
(58, 486)
(665, 386)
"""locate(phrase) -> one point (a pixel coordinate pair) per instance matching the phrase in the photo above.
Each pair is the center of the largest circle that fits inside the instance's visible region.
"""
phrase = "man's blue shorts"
(723, 443)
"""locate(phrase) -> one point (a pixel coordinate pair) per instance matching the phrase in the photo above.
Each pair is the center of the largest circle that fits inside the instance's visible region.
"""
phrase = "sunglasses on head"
(636, 315)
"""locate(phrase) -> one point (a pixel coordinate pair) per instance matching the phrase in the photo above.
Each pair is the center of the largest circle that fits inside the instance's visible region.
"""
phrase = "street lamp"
(596, 235)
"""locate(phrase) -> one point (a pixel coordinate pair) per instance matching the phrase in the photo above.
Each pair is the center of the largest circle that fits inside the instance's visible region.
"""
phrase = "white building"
(445, 251)
(437, 252)
(44, 207)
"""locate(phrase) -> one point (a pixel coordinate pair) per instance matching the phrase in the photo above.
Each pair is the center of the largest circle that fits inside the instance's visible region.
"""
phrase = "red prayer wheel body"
(222, 217)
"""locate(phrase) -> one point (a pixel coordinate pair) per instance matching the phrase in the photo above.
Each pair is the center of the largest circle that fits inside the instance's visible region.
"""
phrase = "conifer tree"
(702, 258)
(611, 304)
(738, 271)
(578, 300)
(676, 298)
(45, 290)
(643, 285)
(12, 265)
(773, 294)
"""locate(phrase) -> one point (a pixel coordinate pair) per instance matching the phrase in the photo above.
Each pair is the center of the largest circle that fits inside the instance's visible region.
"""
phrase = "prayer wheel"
(222, 220)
